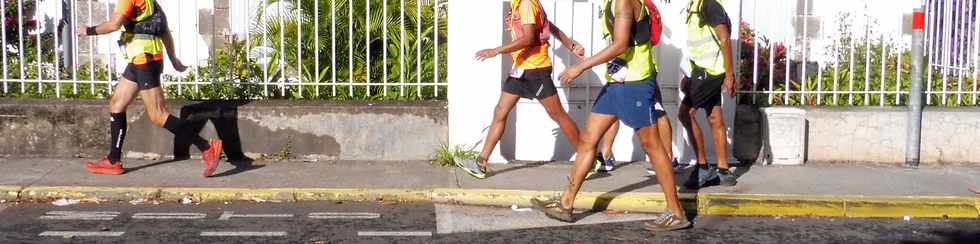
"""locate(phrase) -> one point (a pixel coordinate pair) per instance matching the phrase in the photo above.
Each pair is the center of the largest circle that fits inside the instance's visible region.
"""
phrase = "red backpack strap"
(656, 24)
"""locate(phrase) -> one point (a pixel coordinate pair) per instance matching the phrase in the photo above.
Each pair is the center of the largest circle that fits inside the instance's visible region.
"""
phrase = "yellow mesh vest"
(140, 45)
(639, 59)
(703, 44)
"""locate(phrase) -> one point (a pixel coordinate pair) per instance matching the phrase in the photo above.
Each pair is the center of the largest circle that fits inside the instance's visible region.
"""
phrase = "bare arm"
(530, 38)
(572, 45)
(168, 43)
(726, 53)
(622, 25)
(114, 24)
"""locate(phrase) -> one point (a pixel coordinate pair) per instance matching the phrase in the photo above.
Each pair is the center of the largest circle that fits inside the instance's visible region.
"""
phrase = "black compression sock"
(176, 125)
(117, 132)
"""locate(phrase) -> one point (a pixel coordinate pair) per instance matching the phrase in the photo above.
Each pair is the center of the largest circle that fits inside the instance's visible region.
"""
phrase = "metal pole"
(915, 93)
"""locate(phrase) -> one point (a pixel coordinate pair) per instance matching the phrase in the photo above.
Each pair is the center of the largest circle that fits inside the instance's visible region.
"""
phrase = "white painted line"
(82, 233)
(170, 216)
(243, 233)
(79, 215)
(229, 214)
(394, 233)
(331, 215)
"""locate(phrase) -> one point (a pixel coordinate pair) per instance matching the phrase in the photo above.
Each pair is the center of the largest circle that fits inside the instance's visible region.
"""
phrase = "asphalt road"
(352, 222)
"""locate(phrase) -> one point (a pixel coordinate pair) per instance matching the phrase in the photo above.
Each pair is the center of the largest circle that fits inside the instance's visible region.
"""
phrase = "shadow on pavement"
(241, 165)
(224, 116)
(602, 201)
(523, 166)
(137, 168)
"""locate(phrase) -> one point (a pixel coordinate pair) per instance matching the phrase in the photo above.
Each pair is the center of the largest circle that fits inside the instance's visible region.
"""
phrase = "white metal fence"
(802, 52)
(304, 49)
(855, 52)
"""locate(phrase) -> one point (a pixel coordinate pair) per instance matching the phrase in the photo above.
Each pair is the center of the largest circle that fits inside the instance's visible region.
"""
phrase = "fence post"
(915, 93)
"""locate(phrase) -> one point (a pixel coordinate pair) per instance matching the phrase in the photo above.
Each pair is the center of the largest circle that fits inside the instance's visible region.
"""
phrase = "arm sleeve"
(124, 8)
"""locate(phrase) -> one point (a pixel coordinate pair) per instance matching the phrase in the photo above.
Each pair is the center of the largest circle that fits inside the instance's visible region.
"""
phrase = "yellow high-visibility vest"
(639, 59)
(702, 42)
(139, 45)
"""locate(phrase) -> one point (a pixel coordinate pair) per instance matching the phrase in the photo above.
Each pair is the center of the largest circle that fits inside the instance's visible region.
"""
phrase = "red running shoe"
(104, 166)
(211, 157)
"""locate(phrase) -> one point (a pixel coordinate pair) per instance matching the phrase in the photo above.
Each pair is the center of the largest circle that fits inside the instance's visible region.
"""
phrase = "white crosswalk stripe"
(394, 233)
(229, 214)
(82, 233)
(244, 233)
(79, 215)
(169, 216)
(335, 215)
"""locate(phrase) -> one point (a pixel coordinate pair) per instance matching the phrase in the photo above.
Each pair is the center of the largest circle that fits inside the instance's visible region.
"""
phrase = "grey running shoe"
(471, 167)
(668, 221)
(701, 177)
(727, 178)
(553, 209)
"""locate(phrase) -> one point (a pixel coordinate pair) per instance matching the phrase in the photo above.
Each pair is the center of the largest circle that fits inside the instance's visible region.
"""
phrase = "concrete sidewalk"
(817, 189)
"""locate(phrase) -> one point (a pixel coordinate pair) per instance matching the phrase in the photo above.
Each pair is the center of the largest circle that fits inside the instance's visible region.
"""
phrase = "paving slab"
(188, 174)
(25, 171)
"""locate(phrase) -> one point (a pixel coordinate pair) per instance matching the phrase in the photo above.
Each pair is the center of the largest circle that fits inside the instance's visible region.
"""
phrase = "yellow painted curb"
(226, 194)
(82, 192)
(976, 204)
(929, 207)
(631, 201)
(354, 194)
(294, 194)
(776, 205)
(704, 203)
(10, 192)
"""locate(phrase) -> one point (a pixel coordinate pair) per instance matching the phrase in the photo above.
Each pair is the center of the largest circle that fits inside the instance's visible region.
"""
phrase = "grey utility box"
(784, 135)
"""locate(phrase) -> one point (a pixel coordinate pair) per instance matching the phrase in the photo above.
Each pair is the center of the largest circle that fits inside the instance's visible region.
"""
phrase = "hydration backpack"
(648, 29)
(153, 25)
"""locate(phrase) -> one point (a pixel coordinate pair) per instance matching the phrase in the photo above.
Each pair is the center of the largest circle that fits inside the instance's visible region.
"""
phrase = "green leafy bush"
(849, 76)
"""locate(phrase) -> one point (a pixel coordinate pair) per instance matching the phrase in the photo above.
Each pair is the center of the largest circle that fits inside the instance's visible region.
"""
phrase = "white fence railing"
(326, 49)
(802, 52)
(856, 53)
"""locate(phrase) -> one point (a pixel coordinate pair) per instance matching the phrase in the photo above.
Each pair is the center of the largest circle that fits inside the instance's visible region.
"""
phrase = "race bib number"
(617, 70)
(516, 73)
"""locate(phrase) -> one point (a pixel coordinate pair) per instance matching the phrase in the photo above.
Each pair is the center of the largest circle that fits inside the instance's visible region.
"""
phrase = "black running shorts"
(146, 76)
(533, 84)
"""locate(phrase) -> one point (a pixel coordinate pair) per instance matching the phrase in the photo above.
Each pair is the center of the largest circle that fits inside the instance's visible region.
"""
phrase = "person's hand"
(578, 50)
(570, 73)
(178, 65)
(729, 84)
(486, 54)
(82, 30)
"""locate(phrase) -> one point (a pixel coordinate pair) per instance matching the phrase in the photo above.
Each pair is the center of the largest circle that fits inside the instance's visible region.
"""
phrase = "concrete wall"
(872, 134)
(293, 129)
(531, 135)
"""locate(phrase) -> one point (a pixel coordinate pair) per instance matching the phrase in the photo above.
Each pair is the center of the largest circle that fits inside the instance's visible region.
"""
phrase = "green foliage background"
(882, 53)
(230, 74)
